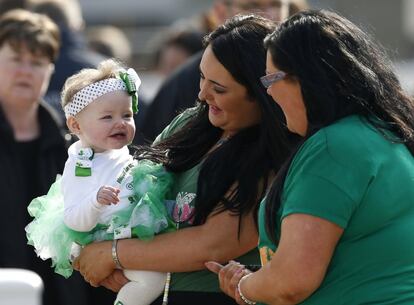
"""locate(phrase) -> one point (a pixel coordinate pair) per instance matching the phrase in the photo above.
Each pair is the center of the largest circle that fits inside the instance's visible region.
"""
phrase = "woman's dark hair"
(246, 159)
(341, 72)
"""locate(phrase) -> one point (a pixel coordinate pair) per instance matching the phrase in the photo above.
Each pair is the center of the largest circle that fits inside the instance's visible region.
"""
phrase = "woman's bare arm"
(297, 268)
(184, 250)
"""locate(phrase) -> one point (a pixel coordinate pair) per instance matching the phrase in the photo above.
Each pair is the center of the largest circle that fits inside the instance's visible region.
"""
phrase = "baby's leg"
(144, 287)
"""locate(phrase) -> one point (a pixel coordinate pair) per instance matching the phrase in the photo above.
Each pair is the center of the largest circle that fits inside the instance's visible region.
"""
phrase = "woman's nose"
(200, 97)
(203, 93)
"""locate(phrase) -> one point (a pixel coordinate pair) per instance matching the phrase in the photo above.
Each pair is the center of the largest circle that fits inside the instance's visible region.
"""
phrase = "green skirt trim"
(144, 217)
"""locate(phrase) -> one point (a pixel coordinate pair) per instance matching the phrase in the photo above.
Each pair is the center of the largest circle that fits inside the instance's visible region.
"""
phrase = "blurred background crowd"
(159, 34)
(156, 37)
(146, 26)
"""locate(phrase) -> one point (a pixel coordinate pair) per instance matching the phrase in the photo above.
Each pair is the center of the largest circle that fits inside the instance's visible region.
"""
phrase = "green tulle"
(146, 217)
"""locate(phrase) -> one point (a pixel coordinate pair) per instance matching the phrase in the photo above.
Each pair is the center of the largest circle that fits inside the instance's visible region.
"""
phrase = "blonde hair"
(107, 69)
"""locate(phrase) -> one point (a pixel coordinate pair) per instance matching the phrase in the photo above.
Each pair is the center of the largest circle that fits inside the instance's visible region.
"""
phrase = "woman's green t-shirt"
(184, 191)
(351, 175)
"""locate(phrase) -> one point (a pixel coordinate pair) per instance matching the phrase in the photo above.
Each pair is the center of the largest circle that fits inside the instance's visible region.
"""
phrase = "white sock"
(144, 288)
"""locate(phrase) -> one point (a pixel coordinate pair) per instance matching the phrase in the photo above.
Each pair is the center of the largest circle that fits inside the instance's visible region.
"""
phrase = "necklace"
(222, 141)
(218, 144)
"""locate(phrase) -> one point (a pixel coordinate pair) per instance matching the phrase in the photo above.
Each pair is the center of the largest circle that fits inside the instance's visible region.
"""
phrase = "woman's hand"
(95, 262)
(115, 281)
(229, 277)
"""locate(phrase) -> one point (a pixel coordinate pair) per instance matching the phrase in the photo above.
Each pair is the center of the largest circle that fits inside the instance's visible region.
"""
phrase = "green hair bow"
(132, 83)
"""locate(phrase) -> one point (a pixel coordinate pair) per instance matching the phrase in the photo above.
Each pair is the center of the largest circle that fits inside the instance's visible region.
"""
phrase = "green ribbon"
(131, 89)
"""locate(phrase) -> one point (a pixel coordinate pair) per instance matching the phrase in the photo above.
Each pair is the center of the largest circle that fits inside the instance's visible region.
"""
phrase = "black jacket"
(178, 92)
(53, 153)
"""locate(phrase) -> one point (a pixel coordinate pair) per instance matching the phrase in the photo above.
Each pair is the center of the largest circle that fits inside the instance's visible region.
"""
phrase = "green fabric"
(176, 124)
(83, 171)
(129, 80)
(349, 174)
(145, 216)
(184, 191)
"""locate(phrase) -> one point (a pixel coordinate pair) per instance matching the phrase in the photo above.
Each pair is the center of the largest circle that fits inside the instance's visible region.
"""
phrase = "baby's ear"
(73, 125)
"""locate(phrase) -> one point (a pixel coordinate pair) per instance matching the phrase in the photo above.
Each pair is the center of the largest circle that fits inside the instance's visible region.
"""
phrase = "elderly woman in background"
(33, 147)
(337, 226)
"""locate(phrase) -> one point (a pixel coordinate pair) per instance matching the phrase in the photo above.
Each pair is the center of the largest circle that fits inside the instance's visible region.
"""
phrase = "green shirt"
(350, 175)
(185, 189)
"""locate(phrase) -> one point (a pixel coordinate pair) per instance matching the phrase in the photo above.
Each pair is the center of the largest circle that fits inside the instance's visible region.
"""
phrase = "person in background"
(179, 91)
(7, 5)
(336, 227)
(110, 41)
(176, 48)
(74, 53)
(223, 154)
(33, 146)
(276, 10)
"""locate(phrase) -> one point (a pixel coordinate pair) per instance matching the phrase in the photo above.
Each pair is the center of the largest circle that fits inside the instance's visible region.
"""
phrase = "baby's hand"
(108, 195)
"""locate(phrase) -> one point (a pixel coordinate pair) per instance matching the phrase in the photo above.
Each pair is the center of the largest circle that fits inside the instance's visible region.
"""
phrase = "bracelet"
(115, 254)
(245, 300)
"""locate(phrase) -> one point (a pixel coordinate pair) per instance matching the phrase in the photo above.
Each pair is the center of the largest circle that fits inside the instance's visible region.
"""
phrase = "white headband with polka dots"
(91, 92)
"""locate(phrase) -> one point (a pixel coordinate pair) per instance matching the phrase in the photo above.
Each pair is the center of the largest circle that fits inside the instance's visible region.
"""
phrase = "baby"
(106, 194)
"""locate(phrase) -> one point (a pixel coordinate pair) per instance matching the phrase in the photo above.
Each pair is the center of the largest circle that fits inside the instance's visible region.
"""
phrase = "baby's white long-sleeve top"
(82, 211)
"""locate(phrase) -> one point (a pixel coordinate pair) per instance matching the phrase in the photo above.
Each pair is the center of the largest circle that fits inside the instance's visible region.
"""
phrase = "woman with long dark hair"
(223, 153)
(337, 226)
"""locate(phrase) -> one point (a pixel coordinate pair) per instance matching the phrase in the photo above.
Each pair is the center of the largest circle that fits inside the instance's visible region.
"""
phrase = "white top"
(82, 210)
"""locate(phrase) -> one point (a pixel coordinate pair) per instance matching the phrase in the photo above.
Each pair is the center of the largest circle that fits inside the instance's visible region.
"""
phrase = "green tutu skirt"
(146, 217)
